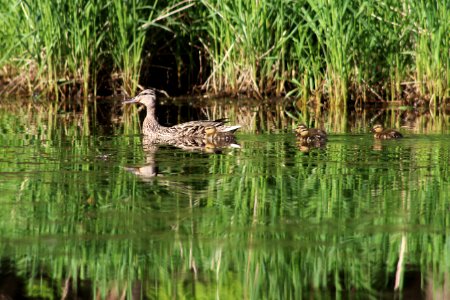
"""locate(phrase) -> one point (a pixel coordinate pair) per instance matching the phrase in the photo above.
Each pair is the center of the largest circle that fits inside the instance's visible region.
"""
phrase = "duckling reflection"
(377, 145)
(306, 147)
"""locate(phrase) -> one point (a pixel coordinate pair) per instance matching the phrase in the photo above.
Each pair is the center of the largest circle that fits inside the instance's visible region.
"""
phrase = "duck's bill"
(132, 100)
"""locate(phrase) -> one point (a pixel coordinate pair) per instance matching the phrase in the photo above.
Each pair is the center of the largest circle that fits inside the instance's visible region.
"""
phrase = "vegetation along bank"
(336, 51)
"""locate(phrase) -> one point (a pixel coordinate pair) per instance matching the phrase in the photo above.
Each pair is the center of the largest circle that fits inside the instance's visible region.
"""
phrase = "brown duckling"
(210, 134)
(214, 136)
(310, 135)
(219, 139)
(385, 134)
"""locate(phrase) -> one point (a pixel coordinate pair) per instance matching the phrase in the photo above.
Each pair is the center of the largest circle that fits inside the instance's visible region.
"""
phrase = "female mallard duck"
(310, 135)
(192, 129)
(385, 134)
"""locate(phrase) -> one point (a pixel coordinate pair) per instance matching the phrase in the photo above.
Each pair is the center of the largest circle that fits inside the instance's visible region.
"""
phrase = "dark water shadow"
(107, 116)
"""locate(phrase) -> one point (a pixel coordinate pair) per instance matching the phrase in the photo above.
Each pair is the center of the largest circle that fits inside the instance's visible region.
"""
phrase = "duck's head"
(301, 128)
(377, 128)
(210, 130)
(304, 132)
(146, 97)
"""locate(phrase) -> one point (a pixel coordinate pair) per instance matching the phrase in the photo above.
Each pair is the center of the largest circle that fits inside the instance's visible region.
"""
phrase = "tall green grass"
(432, 27)
(335, 51)
(63, 48)
(58, 43)
(246, 45)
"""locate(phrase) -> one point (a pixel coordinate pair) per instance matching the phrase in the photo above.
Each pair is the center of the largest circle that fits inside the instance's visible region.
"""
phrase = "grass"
(432, 43)
(316, 50)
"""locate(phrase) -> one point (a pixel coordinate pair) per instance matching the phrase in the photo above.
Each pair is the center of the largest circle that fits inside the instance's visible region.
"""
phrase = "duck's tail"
(230, 129)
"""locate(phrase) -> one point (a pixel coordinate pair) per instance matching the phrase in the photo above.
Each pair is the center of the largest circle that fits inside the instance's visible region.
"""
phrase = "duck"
(192, 129)
(385, 134)
(310, 135)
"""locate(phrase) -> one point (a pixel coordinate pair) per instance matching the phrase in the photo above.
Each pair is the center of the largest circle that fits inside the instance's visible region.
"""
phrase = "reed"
(128, 38)
(432, 42)
(333, 23)
(84, 37)
(56, 45)
(316, 50)
(64, 48)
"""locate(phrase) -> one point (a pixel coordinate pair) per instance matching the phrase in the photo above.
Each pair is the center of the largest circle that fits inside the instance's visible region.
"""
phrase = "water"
(108, 215)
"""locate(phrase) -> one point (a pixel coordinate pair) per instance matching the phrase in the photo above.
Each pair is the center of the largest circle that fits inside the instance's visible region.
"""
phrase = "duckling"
(210, 134)
(219, 139)
(192, 129)
(385, 134)
(310, 135)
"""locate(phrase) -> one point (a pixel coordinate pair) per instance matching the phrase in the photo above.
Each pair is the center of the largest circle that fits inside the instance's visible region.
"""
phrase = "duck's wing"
(201, 123)
(197, 128)
(317, 134)
(316, 131)
(193, 128)
(394, 134)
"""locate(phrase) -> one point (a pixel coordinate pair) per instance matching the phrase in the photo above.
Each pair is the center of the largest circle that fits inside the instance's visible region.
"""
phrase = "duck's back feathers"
(310, 135)
(197, 128)
(317, 133)
(229, 129)
(388, 134)
(385, 134)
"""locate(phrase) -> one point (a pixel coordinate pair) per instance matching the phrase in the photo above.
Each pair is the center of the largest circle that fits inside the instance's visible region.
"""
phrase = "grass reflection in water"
(268, 220)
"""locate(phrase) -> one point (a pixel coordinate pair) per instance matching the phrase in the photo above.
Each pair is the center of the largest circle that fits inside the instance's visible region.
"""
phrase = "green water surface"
(104, 215)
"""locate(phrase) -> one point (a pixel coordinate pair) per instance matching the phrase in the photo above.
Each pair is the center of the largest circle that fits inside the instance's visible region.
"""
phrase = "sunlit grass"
(62, 47)
(432, 43)
(315, 50)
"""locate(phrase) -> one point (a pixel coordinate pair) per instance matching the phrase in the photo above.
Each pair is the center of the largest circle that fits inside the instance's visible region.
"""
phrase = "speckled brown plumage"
(385, 134)
(152, 128)
(310, 135)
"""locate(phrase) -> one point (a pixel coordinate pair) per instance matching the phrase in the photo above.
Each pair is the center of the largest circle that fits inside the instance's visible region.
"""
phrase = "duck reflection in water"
(307, 147)
(210, 136)
(214, 142)
(377, 145)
